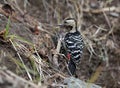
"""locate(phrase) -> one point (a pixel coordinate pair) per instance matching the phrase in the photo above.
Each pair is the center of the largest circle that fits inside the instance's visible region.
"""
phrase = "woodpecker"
(73, 42)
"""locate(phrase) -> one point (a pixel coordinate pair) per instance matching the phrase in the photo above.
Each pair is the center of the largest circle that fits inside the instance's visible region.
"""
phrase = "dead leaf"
(2, 32)
(8, 9)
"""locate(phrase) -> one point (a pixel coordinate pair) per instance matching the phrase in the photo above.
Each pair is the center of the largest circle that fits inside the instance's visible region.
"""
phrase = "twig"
(55, 85)
(107, 20)
(39, 65)
(21, 60)
(113, 8)
(55, 57)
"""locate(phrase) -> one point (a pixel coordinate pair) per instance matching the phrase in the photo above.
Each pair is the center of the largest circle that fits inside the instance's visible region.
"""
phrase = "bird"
(73, 43)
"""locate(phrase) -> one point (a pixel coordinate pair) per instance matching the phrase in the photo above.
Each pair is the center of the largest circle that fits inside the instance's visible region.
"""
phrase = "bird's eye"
(65, 22)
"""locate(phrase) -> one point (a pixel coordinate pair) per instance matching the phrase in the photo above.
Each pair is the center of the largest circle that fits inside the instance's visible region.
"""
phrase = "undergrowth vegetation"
(29, 36)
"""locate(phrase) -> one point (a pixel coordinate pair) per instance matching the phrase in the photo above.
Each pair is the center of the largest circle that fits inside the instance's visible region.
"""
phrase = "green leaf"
(7, 28)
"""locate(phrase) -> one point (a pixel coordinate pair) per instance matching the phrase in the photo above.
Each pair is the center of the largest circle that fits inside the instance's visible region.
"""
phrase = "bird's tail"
(72, 67)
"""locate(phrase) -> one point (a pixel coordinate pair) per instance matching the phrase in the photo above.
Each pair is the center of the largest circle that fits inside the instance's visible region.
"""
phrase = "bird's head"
(70, 24)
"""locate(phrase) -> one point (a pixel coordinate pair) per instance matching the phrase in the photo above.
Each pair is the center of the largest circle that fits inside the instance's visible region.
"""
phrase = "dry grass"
(99, 26)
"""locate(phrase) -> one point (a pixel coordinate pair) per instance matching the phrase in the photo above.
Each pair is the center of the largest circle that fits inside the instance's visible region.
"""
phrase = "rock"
(77, 83)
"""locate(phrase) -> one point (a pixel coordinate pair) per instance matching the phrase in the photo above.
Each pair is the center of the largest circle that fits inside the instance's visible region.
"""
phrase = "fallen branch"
(8, 78)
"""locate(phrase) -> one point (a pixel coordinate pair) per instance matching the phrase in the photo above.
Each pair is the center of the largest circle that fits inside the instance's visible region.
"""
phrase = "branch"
(55, 57)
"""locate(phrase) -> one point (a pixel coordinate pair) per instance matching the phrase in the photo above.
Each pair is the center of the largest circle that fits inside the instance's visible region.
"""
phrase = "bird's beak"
(61, 25)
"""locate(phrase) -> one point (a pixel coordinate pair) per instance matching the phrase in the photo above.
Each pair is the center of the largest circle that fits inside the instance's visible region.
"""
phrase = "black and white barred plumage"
(73, 43)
